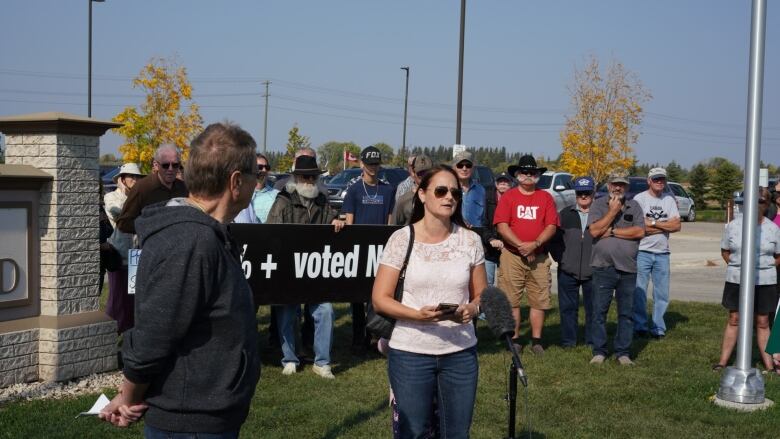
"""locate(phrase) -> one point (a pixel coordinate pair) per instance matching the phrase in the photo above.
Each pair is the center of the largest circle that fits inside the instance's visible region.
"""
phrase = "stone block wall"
(71, 337)
(78, 351)
(70, 260)
(18, 357)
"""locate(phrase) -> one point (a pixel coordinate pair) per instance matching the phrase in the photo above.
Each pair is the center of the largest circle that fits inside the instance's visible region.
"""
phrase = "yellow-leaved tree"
(161, 118)
(597, 139)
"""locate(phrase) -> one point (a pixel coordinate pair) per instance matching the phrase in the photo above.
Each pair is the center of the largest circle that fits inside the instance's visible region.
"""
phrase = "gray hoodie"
(195, 335)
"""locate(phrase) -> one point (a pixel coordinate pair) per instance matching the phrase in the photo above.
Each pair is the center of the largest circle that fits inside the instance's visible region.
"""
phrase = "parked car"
(685, 202)
(337, 186)
(639, 184)
(107, 177)
(560, 186)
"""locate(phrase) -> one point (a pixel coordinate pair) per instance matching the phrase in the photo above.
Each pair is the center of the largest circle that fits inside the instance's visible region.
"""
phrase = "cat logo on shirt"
(527, 212)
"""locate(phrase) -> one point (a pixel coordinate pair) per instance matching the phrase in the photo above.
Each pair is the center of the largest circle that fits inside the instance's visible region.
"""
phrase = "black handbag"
(378, 324)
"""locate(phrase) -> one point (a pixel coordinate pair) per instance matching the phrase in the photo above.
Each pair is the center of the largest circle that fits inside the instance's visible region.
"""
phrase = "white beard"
(306, 190)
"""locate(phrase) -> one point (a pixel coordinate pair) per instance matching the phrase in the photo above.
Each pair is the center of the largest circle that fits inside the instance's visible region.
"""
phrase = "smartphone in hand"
(447, 308)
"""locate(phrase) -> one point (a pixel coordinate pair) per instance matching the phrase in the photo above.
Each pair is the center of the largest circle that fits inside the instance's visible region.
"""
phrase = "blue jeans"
(155, 433)
(656, 265)
(607, 280)
(322, 314)
(490, 269)
(569, 302)
(416, 378)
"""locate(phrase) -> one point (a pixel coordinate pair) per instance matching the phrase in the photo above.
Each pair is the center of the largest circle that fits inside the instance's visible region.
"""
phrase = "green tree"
(110, 160)
(388, 154)
(295, 141)
(699, 178)
(331, 154)
(675, 172)
(728, 179)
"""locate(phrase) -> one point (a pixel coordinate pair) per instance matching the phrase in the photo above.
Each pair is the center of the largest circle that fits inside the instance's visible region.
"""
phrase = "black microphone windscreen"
(498, 312)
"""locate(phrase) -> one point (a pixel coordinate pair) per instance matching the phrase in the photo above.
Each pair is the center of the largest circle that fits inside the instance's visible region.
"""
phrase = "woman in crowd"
(766, 296)
(120, 304)
(432, 351)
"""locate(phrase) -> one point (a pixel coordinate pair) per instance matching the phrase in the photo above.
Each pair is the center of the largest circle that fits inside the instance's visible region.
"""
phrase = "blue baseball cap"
(584, 184)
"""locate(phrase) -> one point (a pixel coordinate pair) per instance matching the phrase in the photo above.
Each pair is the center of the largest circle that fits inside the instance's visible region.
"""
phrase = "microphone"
(495, 305)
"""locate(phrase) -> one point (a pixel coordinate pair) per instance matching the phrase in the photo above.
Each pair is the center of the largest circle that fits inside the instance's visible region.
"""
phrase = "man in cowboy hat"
(526, 219)
(301, 202)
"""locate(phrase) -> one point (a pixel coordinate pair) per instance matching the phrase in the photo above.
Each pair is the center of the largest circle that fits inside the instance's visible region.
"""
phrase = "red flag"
(349, 157)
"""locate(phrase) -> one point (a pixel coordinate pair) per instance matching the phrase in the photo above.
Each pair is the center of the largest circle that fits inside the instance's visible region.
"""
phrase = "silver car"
(685, 202)
(560, 186)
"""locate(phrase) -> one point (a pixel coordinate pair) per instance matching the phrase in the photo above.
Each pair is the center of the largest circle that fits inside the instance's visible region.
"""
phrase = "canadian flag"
(349, 157)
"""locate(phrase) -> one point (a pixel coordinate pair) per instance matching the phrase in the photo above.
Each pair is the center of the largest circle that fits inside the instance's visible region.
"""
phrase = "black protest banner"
(294, 263)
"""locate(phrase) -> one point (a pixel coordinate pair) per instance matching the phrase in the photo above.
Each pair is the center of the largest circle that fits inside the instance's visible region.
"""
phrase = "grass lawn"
(665, 395)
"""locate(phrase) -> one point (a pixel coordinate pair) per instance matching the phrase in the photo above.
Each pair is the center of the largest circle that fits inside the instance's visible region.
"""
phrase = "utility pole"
(265, 123)
(406, 101)
(460, 70)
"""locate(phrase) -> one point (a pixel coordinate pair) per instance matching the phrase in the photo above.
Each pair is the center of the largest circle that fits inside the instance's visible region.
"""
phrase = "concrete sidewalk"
(698, 271)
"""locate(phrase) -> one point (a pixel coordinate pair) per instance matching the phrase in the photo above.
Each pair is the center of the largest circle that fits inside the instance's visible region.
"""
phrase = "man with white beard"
(301, 202)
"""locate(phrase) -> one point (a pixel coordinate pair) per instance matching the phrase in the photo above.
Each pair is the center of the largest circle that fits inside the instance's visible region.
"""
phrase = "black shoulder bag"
(377, 324)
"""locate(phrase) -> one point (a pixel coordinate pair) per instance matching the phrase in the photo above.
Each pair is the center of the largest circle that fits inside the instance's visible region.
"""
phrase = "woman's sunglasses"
(441, 191)
(266, 167)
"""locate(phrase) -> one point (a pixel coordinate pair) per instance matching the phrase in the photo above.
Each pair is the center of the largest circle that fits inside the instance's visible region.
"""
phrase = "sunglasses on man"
(584, 193)
(467, 165)
(174, 165)
(530, 172)
(658, 179)
(441, 191)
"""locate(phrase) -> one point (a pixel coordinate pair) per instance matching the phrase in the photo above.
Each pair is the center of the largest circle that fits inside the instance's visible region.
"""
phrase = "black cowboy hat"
(306, 165)
(526, 163)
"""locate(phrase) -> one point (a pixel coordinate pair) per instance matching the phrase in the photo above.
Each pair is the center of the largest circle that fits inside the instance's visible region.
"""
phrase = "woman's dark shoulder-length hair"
(418, 209)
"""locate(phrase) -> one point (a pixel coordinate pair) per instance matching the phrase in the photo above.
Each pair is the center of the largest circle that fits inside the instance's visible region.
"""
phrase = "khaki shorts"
(516, 275)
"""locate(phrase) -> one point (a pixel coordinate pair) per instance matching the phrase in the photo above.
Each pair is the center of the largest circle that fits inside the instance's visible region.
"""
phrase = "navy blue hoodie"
(195, 335)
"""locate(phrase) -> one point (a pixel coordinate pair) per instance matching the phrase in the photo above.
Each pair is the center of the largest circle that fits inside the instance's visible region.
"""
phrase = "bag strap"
(399, 292)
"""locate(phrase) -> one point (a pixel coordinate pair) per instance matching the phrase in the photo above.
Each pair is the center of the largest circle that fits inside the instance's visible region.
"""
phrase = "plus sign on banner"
(293, 263)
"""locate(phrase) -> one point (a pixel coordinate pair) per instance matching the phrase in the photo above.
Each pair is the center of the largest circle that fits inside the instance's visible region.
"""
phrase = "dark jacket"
(489, 230)
(288, 209)
(195, 335)
(570, 247)
(147, 191)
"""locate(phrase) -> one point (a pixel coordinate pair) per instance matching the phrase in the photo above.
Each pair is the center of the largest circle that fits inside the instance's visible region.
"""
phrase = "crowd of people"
(193, 304)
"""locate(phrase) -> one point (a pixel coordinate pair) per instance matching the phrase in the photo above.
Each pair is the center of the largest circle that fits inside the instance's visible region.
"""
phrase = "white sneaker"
(289, 369)
(597, 359)
(323, 371)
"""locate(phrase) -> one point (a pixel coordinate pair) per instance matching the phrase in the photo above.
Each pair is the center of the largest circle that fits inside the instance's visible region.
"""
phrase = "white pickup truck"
(560, 186)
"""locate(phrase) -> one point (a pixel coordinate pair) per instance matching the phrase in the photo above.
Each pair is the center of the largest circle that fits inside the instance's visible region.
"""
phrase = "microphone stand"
(515, 371)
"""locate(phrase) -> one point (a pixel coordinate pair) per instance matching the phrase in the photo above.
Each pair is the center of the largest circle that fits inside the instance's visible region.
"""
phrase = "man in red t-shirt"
(526, 219)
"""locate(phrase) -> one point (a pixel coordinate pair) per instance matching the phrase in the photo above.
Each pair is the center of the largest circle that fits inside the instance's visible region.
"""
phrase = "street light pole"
(89, 60)
(742, 384)
(265, 121)
(406, 102)
(460, 70)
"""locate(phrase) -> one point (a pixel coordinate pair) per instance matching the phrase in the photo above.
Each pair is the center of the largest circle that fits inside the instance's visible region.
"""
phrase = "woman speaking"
(433, 345)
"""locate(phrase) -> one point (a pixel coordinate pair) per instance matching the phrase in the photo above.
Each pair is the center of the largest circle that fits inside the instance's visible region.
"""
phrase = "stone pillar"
(74, 337)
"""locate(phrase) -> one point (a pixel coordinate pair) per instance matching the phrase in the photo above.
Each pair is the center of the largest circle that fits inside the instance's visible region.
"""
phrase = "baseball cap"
(584, 184)
(657, 172)
(422, 163)
(618, 177)
(504, 176)
(371, 155)
(462, 156)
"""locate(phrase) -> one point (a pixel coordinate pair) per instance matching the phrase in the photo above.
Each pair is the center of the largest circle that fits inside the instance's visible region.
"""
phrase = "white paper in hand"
(101, 402)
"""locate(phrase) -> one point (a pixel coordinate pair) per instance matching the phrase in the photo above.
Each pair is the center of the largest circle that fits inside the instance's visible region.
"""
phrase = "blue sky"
(334, 67)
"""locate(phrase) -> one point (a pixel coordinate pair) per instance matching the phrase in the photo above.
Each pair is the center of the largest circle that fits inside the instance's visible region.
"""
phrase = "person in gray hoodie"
(571, 248)
(191, 362)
